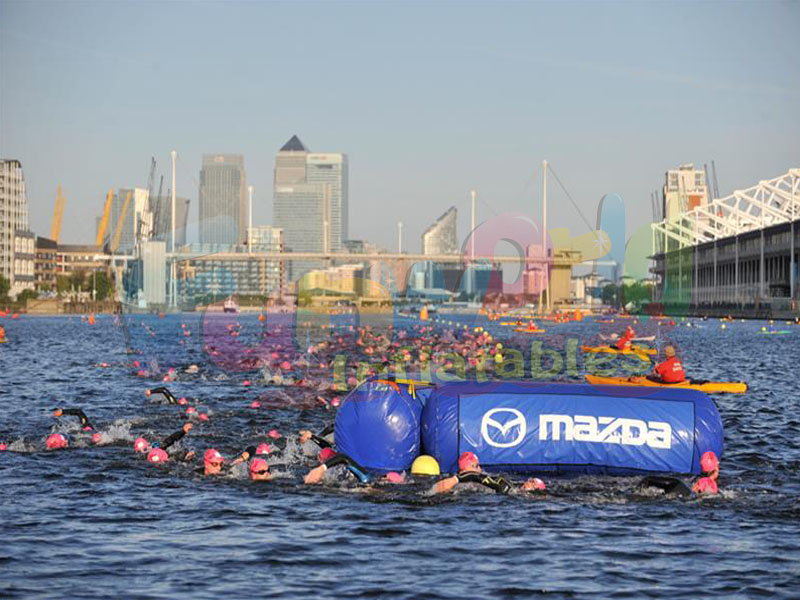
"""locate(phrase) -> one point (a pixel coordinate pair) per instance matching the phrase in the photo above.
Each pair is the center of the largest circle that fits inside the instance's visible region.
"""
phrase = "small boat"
(709, 387)
(526, 330)
(640, 352)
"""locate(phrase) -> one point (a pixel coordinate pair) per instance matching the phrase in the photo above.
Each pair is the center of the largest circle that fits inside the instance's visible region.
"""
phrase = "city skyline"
(612, 108)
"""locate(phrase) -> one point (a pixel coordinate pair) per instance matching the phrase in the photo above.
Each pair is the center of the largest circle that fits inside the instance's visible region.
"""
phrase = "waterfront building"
(684, 190)
(310, 198)
(441, 237)
(223, 200)
(24, 259)
(45, 263)
(72, 258)
(737, 254)
(14, 222)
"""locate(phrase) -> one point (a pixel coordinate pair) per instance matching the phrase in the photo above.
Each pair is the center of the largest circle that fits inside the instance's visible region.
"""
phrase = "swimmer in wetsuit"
(74, 412)
(469, 471)
(317, 438)
(164, 392)
(158, 451)
(316, 474)
(673, 487)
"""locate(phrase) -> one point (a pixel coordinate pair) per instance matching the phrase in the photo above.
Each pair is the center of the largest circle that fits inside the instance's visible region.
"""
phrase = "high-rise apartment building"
(13, 224)
(223, 199)
(310, 201)
(685, 188)
(441, 237)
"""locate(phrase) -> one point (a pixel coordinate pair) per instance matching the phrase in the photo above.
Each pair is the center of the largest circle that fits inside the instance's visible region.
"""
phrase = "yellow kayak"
(709, 387)
(641, 352)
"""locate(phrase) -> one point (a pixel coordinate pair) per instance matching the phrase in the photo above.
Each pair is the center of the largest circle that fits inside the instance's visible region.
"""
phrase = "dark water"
(98, 521)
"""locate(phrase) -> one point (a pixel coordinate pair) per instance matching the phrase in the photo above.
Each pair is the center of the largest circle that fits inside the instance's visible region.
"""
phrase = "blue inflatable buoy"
(538, 427)
(378, 425)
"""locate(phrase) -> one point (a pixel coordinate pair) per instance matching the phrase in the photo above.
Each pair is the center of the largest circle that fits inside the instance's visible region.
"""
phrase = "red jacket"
(671, 370)
(625, 341)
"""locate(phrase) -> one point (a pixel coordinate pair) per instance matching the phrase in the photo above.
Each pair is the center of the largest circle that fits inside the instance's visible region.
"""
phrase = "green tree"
(25, 295)
(610, 295)
(5, 287)
(77, 280)
(63, 285)
(103, 286)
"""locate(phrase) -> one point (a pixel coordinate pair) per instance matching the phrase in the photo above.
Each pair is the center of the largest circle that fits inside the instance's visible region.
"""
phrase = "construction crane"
(157, 211)
(120, 223)
(101, 231)
(55, 230)
(142, 231)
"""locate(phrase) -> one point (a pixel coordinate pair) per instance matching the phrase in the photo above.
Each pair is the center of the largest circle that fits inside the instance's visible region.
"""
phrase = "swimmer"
(158, 451)
(625, 342)
(164, 392)
(74, 412)
(334, 459)
(212, 462)
(318, 438)
(259, 470)
(251, 451)
(469, 471)
(707, 484)
(671, 486)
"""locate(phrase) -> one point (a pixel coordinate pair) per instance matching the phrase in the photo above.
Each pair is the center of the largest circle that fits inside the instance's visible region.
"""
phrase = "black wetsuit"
(77, 412)
(319, 438)
(170, 440)
(669, 485)
(501, 485)
(166, 393)
(352, 466)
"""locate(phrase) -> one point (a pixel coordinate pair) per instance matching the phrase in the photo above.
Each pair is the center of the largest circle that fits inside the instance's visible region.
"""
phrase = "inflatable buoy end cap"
(425, 465)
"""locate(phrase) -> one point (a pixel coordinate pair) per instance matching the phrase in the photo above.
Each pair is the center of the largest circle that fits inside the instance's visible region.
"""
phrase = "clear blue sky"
(428, 99)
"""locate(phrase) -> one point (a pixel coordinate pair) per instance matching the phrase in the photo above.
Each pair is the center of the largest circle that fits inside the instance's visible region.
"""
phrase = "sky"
(427, 99)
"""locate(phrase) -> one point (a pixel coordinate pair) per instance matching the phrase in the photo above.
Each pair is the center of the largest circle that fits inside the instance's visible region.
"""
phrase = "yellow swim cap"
(425, 465)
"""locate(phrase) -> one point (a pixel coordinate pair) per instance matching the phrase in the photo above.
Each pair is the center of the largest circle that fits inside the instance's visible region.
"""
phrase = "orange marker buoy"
(91, 318)
(262, 318)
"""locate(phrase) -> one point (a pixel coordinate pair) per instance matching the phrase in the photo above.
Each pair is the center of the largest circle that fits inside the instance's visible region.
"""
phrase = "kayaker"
(669, 371)
(626, 340)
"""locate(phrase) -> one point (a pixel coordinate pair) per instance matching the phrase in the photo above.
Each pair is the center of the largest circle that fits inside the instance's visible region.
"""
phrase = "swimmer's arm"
(73, 412)
(174, 437)
(445, 485)
(245, 455)
(166, 393)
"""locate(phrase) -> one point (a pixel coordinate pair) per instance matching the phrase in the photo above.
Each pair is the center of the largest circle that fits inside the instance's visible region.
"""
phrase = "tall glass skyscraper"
(441, 237)
(223, 199)
(310, 202)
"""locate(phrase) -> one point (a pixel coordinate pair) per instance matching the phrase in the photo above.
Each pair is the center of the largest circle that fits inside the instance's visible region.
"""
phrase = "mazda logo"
(517, 420)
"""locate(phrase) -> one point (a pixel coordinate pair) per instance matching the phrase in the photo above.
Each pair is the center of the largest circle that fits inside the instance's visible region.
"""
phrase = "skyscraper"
(310, 201)
(161, 206)
(223, 199)
(441, 237)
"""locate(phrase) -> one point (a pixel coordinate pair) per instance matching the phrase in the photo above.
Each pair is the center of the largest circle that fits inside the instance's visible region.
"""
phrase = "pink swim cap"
(3, 447)
(203, 416)
(335, 402)
(709, 462)
(706, 485)
(96, 437)
(87, 428)
(56, 441)
(246, 382)
(182, 401)
(157, 455)
(285, 365)
(538, 484)
(466, 460)
(395, 477)
(212, 456)
(191, 410)
(274, 434)
(326, 454)
(263, 449)
(255, 404)
(258, 464)
(140, 445)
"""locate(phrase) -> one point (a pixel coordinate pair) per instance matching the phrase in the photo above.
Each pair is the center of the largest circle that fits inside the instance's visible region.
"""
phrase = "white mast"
(250, 221)
(172, 273)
